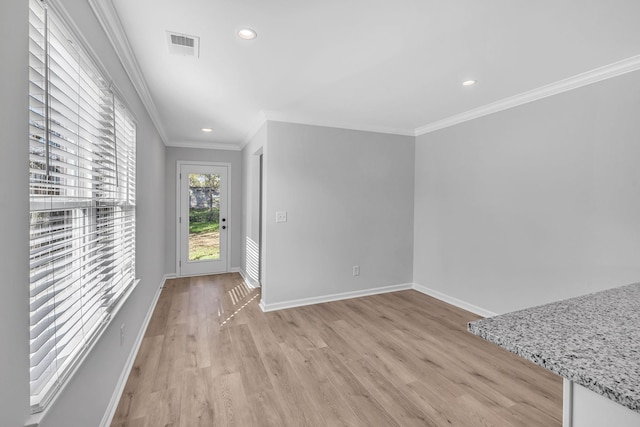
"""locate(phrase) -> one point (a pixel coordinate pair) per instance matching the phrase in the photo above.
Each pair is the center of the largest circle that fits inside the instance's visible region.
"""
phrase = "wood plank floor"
(210, 357)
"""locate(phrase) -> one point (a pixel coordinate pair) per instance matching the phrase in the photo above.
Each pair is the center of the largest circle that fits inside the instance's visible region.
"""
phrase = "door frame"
(178, 241)
(261, 226)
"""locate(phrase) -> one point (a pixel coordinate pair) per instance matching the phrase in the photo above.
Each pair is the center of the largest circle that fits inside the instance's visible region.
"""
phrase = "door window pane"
(204, 217)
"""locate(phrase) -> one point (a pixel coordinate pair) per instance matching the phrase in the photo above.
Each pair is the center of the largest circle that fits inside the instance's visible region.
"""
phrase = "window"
(82, 202)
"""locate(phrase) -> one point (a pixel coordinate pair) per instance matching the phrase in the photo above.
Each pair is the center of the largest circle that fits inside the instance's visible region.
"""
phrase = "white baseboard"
(122, 381)
(334, 297)
(252, 284)
(366, 292)
(454, 301)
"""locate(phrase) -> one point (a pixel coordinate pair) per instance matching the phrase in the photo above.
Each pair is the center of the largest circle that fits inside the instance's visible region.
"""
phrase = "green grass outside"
(203, 227)
(201, 222)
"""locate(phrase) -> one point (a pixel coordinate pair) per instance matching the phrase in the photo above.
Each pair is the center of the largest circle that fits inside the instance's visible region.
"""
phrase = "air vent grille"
(182, 40)
(182, 44)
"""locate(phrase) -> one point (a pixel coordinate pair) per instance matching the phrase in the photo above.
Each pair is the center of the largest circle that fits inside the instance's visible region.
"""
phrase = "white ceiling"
(391, 66)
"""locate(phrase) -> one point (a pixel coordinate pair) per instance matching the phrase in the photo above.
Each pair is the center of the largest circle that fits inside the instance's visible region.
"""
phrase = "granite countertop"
(592, 340)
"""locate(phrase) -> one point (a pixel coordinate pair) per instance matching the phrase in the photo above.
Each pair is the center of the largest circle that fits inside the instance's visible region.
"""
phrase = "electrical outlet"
(356, 270)
(122, 334)
(281, 216)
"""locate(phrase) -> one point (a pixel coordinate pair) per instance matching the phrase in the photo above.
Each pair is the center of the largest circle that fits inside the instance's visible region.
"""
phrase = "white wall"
(235, 193)
(85, 399)
(533, 204)
(14, 217)
(250, 263)
(349, 199)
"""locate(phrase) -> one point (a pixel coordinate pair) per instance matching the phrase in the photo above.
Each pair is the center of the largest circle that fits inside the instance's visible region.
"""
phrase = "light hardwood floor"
(210, 357)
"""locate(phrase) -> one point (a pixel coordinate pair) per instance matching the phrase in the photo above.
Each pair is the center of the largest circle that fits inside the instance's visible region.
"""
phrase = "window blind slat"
(88, 305)
(90, 261)
(82, 202)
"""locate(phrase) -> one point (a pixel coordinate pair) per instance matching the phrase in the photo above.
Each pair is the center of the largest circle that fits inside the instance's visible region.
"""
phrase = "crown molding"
(106, 14)
(276, 116)
(204, 145)
(602, 73)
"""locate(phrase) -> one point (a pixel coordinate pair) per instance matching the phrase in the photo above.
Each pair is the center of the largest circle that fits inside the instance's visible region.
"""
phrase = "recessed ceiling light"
(207, 130)
(247, 34)
(468, 83)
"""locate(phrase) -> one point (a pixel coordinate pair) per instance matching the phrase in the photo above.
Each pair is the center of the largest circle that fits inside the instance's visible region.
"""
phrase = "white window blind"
(82, 167)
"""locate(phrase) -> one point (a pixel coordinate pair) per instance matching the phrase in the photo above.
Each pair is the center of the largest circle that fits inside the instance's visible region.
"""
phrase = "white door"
(202, 219)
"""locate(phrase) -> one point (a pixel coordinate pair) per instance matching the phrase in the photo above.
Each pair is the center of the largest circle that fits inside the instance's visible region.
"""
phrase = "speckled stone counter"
(592, 340)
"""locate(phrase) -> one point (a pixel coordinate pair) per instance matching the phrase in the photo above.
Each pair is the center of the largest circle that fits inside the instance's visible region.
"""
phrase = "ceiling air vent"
(182, 44)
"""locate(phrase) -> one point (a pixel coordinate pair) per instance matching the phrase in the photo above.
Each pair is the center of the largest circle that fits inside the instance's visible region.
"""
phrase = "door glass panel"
(204, 216)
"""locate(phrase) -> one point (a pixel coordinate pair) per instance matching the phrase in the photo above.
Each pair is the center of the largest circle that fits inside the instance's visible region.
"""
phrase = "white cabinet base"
(583, 408)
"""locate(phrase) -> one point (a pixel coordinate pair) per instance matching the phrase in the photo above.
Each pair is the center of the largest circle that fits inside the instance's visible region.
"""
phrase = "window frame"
(85, 225)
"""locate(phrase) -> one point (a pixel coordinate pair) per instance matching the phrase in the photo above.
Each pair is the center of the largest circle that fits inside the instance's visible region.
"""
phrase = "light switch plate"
(281, 216)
